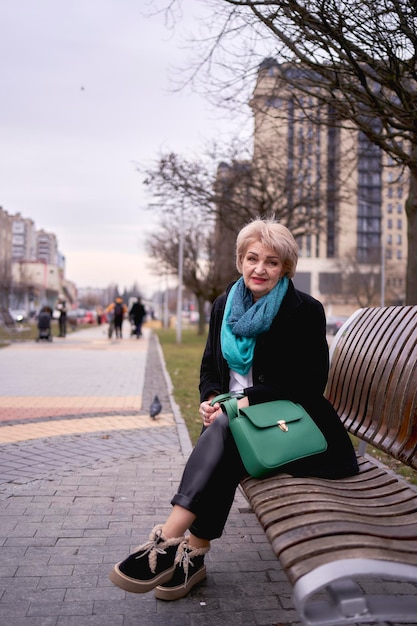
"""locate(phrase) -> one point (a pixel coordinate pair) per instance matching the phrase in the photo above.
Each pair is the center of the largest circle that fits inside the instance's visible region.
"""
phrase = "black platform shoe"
(189, 571)
(150, 565)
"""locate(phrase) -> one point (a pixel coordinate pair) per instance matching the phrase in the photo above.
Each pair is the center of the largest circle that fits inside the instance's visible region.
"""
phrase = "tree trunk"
(201, 315)
(411, 210)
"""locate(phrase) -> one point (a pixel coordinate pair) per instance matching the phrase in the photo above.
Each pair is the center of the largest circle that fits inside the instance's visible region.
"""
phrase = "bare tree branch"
(358, 57)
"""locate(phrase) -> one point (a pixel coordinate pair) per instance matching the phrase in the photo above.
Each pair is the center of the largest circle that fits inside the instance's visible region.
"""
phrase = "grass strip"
(183, 364)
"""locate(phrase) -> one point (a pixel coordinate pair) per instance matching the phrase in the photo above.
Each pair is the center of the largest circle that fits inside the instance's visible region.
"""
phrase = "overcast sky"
(85, 94)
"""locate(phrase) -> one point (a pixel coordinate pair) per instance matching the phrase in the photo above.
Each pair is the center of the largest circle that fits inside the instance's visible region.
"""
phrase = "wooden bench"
(335, 538)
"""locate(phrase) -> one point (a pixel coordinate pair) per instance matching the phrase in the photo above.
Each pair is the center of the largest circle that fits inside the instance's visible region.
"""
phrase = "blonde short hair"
(272, 235)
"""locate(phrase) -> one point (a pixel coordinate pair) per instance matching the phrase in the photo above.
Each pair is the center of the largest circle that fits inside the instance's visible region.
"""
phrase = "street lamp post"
(165, 303)
(382, 272)
(180, 279)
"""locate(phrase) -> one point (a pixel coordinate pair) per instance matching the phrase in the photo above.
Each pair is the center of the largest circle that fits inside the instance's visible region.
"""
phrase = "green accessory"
(271, 434)
(244, 320)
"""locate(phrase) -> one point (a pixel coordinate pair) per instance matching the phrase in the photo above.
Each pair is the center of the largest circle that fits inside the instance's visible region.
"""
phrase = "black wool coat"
(291, 361)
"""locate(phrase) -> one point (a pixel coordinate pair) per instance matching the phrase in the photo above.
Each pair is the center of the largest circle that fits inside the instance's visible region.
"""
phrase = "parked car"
(82, 316)
(334, 323)
(90, 317)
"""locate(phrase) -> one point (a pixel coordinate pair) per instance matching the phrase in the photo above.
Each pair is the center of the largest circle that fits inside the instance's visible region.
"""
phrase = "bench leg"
(345, 603)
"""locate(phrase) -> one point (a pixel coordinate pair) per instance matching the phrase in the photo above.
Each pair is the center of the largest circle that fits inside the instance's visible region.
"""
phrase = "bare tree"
(216, 198)
(5, 281)
(357, 57)
(360, 282)
(196, 232)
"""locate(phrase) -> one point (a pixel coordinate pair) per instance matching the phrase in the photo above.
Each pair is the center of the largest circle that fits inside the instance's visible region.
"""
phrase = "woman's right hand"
(209, 413)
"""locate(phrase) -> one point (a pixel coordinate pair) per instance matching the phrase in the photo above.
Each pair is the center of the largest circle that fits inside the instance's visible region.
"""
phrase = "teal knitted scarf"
(244, 320)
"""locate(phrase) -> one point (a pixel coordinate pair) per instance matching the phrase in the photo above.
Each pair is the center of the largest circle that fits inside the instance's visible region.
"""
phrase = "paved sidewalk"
(85, 473)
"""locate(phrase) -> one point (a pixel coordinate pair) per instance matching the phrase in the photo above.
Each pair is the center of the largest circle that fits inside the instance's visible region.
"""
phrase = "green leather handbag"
(271, 434)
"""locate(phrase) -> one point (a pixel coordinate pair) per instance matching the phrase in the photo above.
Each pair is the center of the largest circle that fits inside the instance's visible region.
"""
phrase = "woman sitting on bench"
(267, 340)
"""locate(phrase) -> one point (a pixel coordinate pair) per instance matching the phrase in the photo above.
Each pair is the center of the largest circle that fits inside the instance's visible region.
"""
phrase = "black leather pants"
(210, 478)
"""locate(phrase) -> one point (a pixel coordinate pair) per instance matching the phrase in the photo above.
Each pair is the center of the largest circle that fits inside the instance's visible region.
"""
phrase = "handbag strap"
(227, 396)
(228, 403)
(231, 408)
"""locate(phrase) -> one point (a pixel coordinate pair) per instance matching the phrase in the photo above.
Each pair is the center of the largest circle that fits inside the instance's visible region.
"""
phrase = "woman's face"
(261, 269)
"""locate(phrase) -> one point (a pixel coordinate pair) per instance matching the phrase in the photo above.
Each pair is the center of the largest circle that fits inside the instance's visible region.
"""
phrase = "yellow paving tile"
(98, 344)
(55, 428)
(116, 402)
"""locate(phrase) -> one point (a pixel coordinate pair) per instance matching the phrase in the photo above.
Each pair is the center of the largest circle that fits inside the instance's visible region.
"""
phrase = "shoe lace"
(157, 544)
(153, 547)
(150, 546)
(184, 556)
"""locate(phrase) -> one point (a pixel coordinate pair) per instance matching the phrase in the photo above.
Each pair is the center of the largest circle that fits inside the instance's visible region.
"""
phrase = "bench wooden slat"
(373, 508)
(346, 366)
(298, 563)
(314, 547)
(391, 506)
(349, 363)
(399, 397)
(329, 522)
(273, 488)
(373, 379)
(362, 482)
(369, 475)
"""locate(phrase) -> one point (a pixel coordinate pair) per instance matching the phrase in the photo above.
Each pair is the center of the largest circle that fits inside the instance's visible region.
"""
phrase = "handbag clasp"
(282, 425)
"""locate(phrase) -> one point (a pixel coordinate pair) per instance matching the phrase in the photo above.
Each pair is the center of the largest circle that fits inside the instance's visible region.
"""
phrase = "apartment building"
(47, 247)
(23, 238)
(345, 199)
(5, 254)
(32, 270)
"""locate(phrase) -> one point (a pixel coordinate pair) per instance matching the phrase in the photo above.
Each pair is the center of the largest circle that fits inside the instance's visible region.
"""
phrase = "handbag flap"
(269, 414)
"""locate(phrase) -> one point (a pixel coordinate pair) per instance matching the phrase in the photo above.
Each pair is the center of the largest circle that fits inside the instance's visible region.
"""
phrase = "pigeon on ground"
(155, 407)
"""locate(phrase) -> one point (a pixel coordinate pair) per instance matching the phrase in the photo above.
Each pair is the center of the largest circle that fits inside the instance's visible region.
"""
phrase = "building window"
(399, 208)
(390, 207)
(274, 103)
(308, 246)
(399, 224)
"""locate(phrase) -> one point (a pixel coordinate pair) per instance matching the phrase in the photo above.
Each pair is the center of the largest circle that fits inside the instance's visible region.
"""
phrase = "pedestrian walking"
(116, 312)
(137, 313)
